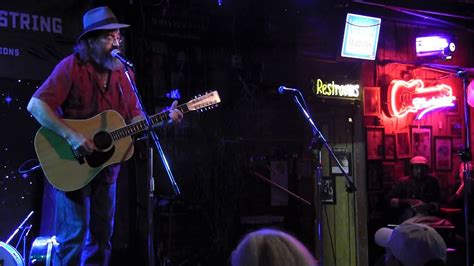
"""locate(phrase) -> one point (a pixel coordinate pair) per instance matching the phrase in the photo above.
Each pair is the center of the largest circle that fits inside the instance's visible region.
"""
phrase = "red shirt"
(74, 92)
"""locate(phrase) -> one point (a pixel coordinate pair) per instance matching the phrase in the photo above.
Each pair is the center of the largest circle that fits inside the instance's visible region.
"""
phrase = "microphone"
(284, 90)
(116, 54)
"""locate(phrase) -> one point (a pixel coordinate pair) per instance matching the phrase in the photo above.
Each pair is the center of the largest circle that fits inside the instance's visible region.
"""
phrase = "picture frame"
(443, 153)
(421, 142)
(328, 190)
(403, 146)
(455, 126)
(389, 147)
(345, 160)
(372, 106)
(375, 143)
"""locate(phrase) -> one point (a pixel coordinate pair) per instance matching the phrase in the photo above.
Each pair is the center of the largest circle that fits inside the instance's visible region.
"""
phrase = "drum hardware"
(9, 255)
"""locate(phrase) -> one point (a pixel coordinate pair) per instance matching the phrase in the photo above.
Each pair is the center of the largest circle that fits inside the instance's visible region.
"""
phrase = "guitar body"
(62, 169)
(67, 170)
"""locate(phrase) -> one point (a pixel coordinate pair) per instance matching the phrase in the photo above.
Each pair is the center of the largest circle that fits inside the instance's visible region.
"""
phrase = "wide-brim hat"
(100, 18)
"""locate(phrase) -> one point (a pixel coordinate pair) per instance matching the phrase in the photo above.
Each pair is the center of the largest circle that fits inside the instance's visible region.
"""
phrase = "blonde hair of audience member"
(270, 247)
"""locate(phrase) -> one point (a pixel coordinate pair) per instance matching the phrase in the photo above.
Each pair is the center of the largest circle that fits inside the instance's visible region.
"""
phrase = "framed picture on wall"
(421, 141)
(372, 101)
(345, 160)
(455, 126)
(375, 144)
(328, 190)
(403, 147)
(443, 153)
(389, 146)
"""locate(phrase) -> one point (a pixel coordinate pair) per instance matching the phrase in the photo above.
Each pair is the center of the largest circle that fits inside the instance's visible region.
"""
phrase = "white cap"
(412, 244)
(419, 160)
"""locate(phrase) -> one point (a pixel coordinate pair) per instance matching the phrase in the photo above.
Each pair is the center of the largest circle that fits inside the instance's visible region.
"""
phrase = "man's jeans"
(84, 222)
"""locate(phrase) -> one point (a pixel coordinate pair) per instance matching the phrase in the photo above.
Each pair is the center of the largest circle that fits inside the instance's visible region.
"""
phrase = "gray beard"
(104, 59)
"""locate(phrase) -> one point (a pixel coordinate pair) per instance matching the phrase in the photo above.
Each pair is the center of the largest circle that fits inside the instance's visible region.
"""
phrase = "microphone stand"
(319, 141)
(466, 157)
(151, 135)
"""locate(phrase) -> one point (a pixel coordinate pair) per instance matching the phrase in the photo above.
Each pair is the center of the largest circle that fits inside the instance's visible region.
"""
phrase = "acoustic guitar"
(67, 170)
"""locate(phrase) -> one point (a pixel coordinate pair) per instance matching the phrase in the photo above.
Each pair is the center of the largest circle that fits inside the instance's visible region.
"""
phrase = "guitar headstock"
(204, 102)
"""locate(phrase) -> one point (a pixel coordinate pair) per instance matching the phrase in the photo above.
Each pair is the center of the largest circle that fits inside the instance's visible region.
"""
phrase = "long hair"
(269, 247)
(82, 50)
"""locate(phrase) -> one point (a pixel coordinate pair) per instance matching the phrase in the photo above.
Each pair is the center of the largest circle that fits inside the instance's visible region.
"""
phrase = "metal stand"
(151, 135)
(320, 141)
(23, 235)
(466, 157)
(317, 144)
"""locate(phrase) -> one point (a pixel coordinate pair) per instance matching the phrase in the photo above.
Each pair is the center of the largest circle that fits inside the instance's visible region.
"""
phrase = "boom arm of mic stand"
(319, 136)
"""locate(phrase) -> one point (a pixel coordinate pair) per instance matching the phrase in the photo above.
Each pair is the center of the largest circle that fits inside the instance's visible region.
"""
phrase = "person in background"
(81, 86)
(458, 193)
(417, 194)
(455, 202)
(411, 244)
(271, 247)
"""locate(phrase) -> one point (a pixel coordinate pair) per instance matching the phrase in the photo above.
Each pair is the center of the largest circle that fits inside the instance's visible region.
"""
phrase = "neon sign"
(412, 96)
(333, 89)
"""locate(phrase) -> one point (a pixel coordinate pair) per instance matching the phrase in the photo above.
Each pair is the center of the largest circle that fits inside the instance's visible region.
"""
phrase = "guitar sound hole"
(103, 140)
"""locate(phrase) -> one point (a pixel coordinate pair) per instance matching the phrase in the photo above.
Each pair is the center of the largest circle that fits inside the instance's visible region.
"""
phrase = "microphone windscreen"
(115, 52)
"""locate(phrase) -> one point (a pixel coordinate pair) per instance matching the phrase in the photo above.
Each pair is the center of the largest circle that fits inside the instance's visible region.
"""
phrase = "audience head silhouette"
(412, 245)
(270, 247)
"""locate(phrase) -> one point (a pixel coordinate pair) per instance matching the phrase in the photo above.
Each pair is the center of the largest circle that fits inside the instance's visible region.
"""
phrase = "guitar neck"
(141, 125)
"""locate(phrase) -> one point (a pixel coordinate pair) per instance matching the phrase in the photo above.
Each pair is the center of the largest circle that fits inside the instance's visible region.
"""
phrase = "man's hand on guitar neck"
(175, 115)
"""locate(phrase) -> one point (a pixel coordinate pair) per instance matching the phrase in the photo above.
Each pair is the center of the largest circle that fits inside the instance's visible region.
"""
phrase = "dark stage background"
(244, 49)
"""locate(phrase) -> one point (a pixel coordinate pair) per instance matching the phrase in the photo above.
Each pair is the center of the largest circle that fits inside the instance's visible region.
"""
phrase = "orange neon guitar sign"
(412, 96)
